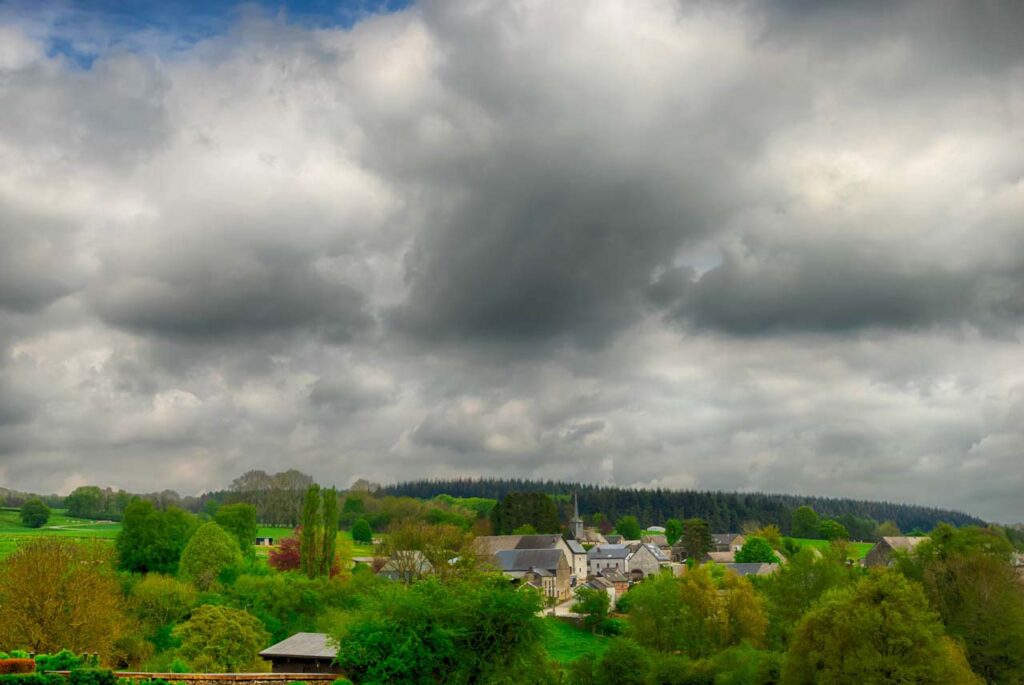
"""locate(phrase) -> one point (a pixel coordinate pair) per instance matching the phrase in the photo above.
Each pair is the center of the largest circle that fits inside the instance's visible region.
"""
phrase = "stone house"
(879, 554)
(647, 559)
(547, 569)
(603, 557)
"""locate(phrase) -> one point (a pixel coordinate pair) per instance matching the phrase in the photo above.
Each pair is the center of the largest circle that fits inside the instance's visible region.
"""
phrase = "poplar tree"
(309, 550)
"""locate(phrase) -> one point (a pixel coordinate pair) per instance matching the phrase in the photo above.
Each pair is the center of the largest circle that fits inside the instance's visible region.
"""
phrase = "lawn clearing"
(858, 550)
(13, 534)
(567, 643)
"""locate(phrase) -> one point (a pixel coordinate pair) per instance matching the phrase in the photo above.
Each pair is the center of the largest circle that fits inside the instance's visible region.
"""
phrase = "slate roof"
(538, 542)
(721, 557)
(612, 575)
(724, 538)
(903, 542)
(527, 559)
(753, 568)
(598, 583)
(659, 540)
(613, 539)
(489, 545)
(608, 552)
(303, 645)
(656, 551)
(575, 547)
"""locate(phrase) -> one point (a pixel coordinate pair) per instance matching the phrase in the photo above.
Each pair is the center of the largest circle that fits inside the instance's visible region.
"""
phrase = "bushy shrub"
(92, 676)
(612, 626)
(32, 679)
(342, 681)
(64, 660)
(17, 666)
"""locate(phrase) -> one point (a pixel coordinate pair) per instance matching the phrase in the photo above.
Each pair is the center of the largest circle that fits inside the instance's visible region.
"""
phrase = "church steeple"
(577, 523)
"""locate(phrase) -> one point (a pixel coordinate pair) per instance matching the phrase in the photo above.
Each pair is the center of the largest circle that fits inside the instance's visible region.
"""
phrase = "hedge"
(32, 679)
(8, 666)
(92, 676)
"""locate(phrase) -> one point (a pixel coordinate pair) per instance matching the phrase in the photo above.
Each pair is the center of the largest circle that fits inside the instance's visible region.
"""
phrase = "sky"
(772, 246)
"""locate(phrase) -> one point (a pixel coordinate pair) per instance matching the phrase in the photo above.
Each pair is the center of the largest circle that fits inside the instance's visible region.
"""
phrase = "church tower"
(576, 524)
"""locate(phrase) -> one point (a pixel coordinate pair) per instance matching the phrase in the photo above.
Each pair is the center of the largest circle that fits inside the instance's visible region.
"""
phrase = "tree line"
(724, 511)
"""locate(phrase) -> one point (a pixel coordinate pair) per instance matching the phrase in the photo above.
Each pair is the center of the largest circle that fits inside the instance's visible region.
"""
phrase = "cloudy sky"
(740, 245)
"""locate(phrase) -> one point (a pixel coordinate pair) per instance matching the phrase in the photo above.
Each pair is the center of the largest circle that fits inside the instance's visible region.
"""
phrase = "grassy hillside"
(12, 533)
(567, 643)
(858, 550)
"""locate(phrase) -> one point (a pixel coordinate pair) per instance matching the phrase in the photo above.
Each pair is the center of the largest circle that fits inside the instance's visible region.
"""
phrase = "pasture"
(566, 643)
(858, 550)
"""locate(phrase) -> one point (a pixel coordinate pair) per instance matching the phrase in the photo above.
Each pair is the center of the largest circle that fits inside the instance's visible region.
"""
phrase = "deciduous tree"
(34, 513)
(673, 530)
(210, 550)
(56, 594)
(222, 639)
(879, 631)
(756, 549)
(696, 538)
(804, 523)
(152, 540)
(361, 532)
(628, 527)
(240, 521)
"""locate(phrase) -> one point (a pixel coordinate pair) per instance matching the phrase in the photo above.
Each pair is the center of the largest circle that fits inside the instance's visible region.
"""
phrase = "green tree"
(887, 529)
(312, 530)
(329, 512)
(628, 527)
(830, 529)
(623, 663)
(159, 600)
(477, 630)
(699, 613)
(804, 523)
(879, 631)
(222, 639)
(593, 605)
(86, 501)
(151, 540)
(240, 521)
(657, 613)
(210, 550)
(56, 593)
(800, 582)
(673, 530)
(34, 513)
(756, 549)
(361, 532)
(968, 579)
(696, 538)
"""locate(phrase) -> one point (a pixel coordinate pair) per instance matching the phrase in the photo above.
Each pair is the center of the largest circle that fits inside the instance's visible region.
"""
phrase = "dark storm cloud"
(774, 288)
(234, 294)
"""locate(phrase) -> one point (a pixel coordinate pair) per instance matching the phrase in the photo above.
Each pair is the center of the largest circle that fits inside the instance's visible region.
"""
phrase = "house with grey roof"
(302, 653)
(647, 559)
(546, 569)
(487, 546)
(880, 554)
(752, 568)
(727, 542)
(601, 557)
(406, 566)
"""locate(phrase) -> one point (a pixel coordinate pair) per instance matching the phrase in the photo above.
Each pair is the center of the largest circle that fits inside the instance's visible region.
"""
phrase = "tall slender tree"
(312, 524)
(330, 522)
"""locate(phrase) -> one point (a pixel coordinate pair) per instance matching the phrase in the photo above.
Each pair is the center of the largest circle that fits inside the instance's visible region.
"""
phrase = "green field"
(567, 643)
(858, 550)
(12, 533)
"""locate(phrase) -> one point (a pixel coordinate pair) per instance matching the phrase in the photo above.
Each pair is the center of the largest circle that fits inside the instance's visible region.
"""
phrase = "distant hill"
(723, 510)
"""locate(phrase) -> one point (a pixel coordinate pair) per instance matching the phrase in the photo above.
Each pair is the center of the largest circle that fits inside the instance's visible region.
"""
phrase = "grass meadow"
(567, 643)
